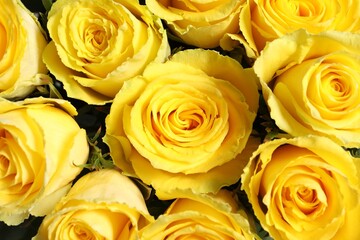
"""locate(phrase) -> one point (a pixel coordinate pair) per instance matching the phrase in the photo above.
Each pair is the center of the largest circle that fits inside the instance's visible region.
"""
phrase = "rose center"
(96, 39)
(187, 120)
(335, 92)
(4, 164)
(332, 88)
(338, 87)
(303, 198)
(179, 125)
(79, 231)
(306, 195)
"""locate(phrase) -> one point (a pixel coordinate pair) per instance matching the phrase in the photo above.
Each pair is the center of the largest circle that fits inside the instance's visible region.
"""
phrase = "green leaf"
(355, 152)
(144, 189)
(97, 160)
(47, 4)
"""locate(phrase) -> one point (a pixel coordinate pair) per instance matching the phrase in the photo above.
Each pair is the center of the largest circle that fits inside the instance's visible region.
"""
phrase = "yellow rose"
(21, 45)
(304, 188)
(101, 205)
(184, 123)
(199, 23)
(201, 216)
(312, 87)
(262, 21)
(98, 44)
(40, 144)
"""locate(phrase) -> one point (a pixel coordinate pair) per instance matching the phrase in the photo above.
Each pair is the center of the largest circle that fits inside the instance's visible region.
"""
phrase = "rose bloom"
(21, 45)
(312, 87)
(184, 123)
(97, 44)
(201, 216)
(40, 146)
(262, 21)
(199, 23)
(102, 204)
(304, 188)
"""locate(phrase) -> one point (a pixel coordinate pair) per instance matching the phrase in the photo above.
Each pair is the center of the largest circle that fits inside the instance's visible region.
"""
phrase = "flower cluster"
(128, 119)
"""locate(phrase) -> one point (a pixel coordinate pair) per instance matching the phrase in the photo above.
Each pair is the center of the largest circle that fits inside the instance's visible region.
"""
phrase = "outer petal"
(211, 63)
(312, 161)
(186, 108)
(21, 47)
(314, 106)
(95, 51)
(201, 215)
(67, 75)
(262, 21)
(119, 145)
(104, 204)
(38, 159)
(200, 24)
(168, 185)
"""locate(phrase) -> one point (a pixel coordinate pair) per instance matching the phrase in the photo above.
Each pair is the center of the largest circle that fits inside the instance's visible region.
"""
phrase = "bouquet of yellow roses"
(229, 119)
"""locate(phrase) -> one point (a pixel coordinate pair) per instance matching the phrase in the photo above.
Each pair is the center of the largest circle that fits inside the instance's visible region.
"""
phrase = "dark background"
(24, 231)
(34, 5)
